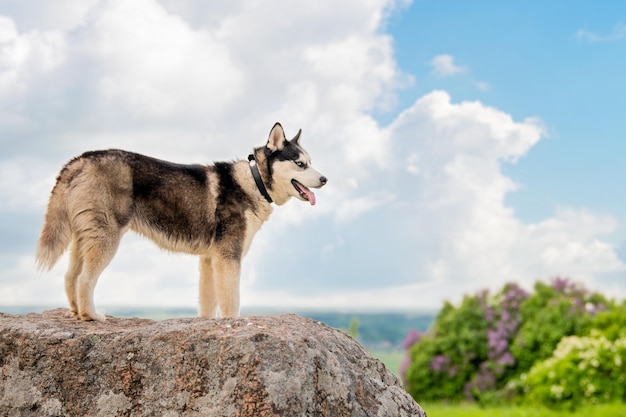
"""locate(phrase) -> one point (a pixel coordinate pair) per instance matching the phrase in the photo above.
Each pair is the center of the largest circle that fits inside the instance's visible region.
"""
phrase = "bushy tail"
(56, 233)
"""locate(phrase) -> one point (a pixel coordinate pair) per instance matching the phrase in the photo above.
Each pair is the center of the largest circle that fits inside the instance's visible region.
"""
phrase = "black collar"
(257, 178)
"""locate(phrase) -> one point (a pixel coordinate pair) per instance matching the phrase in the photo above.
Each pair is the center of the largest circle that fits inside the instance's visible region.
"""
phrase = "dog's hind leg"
(227, 285)
(207, 306)
(71, 277)
(97, 252)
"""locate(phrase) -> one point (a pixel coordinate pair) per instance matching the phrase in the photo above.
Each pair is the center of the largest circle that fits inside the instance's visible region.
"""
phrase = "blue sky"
(561, 61)
(467, 144)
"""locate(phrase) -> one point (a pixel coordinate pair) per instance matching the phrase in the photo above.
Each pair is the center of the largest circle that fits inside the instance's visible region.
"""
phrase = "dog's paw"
(95, 316)
(100, 317)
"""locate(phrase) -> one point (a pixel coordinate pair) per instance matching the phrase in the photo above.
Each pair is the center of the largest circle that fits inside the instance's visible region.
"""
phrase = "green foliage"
(353, 329)
(501, 348)
(612, 323)
(444, 360)
(552, 312)
(582, 370)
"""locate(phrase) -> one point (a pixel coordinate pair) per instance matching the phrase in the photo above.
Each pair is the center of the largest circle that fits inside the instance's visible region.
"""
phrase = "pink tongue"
(309, 195)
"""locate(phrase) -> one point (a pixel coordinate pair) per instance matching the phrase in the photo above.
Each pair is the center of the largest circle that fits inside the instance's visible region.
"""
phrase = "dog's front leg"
(226, 274)
(207, 306)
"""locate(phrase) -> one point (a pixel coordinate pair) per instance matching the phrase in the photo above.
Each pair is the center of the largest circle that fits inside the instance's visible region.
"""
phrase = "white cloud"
(137, 47)
(24, 184)
(352, 209)
(142, 76)
(414, 212)
(444, 66)
(617, 34)
(23, 59)
(458, 197)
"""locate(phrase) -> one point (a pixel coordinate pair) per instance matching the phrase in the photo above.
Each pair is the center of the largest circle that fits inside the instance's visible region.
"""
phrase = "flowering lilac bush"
(447, 356)
(503, 320)
(475, 350)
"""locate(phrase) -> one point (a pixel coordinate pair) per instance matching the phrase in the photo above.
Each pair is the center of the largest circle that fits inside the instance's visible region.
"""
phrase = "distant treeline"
(377, 329)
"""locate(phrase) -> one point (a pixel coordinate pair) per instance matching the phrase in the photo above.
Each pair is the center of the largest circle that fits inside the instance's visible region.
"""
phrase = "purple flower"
(560, 284)
(412, 337)
(484, 380)
(504, 321)
(567, 287)
(439, 363)
(492, 338)
(505, 316)
(506, 359)
(489, 314)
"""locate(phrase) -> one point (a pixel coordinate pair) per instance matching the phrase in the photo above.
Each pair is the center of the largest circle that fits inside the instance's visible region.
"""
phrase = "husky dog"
(212, 211)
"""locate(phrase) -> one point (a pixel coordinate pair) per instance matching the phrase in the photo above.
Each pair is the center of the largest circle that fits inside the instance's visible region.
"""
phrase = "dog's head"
(289, 169)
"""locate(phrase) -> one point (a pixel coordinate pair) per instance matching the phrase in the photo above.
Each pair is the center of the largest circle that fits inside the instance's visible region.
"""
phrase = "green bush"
(611, 323)
(445, 358)
(479, 350)
(582, 370)
(552, 312)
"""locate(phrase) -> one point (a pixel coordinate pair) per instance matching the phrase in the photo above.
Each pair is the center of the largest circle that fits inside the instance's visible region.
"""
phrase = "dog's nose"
(323, 180)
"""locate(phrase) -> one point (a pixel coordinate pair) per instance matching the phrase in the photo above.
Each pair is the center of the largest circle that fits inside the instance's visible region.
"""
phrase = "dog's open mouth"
(304, 192)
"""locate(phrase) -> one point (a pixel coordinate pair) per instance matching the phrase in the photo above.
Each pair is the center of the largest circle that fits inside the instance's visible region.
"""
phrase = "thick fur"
(212, 211)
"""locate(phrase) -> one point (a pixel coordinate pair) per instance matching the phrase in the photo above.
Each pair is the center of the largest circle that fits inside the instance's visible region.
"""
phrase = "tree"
(353, 330)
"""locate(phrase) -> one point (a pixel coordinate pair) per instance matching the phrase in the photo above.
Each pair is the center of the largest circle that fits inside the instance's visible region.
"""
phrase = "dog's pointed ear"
(296, 139)
(277, 139)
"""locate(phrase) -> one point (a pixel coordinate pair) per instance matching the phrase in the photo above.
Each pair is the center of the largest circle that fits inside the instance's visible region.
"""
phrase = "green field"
(442, 410)
(391, 358)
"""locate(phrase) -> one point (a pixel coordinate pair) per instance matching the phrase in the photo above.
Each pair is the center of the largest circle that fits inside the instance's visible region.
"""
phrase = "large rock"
(54, 365)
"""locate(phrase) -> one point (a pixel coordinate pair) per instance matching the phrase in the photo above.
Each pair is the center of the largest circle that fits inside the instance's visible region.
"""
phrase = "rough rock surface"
(54, 365)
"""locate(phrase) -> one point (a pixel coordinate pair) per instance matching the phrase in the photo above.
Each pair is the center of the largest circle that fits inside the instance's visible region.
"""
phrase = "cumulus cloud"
(414, 212)
(444, 66)
(150, 75)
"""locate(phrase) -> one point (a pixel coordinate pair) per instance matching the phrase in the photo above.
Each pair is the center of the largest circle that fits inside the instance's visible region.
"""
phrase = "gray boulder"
(54, 365)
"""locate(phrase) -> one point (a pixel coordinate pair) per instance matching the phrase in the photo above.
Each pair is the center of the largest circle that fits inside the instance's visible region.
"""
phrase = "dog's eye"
(300, 164)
